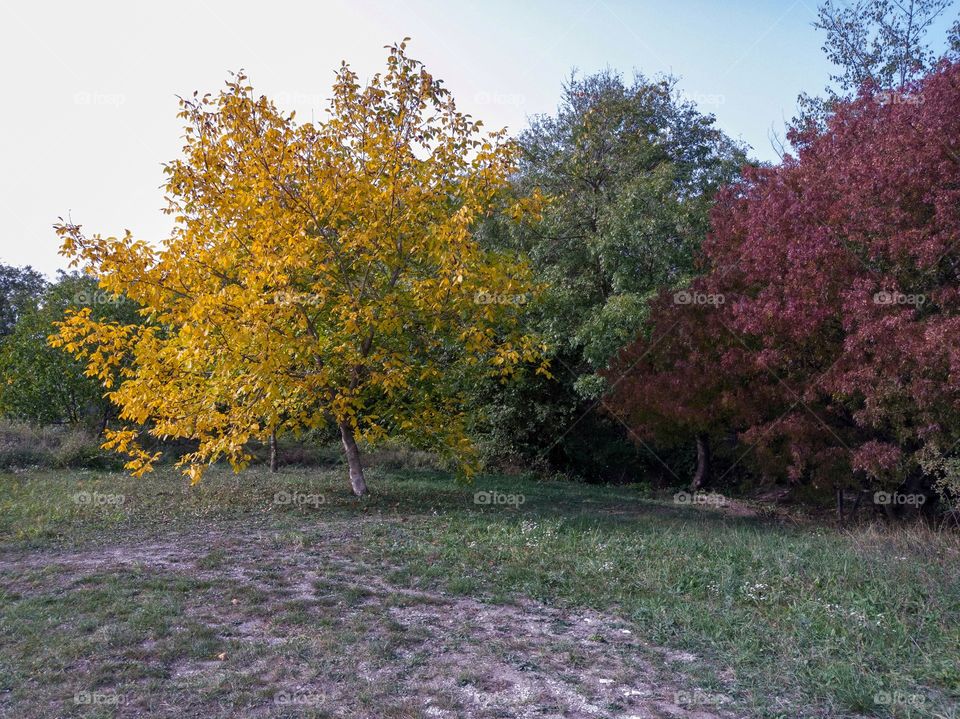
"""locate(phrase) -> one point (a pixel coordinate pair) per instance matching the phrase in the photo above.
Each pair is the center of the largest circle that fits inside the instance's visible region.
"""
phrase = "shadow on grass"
(44, 506)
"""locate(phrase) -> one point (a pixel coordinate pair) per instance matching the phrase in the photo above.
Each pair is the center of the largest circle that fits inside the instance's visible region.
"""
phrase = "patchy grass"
(282, 595)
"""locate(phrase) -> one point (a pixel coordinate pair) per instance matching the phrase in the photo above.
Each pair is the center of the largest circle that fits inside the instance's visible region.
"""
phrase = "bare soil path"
(227, 622)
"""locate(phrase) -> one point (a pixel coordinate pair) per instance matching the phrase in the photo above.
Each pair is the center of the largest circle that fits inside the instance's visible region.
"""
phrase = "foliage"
(880, 43)
(24, 445)
(42, 384)
(831, 344)
(20, 288)
(630, 171)
(318, 274)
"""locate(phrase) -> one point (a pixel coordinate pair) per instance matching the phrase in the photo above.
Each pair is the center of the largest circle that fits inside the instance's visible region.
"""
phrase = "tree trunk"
(702, 475)
(856, 504)
(357, 483)
(273, 452)
(889, 511)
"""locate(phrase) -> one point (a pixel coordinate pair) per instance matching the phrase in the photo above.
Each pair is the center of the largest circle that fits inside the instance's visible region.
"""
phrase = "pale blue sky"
(89, 88)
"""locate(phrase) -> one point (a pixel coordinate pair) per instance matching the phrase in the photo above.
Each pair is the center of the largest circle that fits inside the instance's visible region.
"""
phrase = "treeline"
(41, 384)
(823, 332)
(707, 319)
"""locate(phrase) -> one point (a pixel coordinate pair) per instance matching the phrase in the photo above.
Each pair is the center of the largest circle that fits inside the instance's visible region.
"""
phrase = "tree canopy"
(883, 44)
(831, 347)
(20, 289)
(318, 274)
(41, 384)
(629, 170)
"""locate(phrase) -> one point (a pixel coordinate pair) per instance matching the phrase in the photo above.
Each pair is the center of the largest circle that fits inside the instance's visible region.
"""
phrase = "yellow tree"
(317, 273)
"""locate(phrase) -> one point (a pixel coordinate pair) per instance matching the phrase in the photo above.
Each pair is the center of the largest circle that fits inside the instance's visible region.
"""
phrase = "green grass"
(789, 619)
(802, 616)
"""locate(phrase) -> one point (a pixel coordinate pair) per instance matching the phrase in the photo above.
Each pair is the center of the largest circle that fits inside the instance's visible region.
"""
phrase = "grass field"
(281, 595)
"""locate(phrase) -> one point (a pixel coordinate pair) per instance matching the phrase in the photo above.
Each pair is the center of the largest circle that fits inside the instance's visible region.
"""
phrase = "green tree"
(880, 42)
(43, 384)
(20, 289)
(629, 171)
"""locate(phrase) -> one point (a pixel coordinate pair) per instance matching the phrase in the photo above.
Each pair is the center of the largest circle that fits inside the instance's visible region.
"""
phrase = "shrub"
(24, 445)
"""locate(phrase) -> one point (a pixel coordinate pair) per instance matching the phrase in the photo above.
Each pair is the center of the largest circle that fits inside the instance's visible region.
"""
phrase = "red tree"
(824, 330)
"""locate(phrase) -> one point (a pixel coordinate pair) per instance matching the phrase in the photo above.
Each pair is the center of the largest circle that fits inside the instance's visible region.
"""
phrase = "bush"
(322, 448)
(24, 445)
(396, 456)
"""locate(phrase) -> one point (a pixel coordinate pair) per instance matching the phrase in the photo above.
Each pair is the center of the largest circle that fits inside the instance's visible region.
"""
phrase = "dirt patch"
(307, 631)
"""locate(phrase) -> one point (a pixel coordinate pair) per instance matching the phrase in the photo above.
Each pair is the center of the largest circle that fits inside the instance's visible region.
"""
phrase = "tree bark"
(357, 482)
(856, 504)
(273, 452)
(702, 474)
